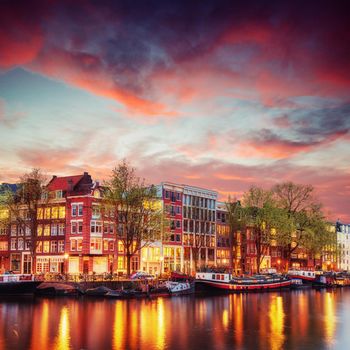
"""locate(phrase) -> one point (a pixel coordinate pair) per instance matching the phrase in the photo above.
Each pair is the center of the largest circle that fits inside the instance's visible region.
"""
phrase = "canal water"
(280, 320)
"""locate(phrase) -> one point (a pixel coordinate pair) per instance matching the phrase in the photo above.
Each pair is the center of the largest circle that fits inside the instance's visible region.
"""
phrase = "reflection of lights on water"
(118, 327)
(237, 312)
(303, 317)
(63, 338)
(161, 325)
(276, 316)
(225, 318)
(44, 325)
(330, 319)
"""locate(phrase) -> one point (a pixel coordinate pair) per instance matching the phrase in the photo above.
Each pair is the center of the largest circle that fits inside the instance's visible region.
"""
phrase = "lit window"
(46, 247)
(54, 212)
(62, 212)
(39, 247)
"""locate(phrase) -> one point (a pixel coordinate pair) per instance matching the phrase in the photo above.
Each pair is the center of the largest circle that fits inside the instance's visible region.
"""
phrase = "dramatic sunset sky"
(215, 94)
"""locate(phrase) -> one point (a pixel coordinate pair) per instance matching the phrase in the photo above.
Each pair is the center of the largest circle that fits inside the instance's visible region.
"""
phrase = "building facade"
(343, 243)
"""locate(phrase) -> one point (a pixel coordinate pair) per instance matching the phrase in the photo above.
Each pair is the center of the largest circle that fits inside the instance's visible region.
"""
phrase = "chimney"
(70, 185)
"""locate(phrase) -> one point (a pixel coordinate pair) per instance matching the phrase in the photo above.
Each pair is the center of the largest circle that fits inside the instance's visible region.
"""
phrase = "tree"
(305, 211)
(136, 209)
(236, 224)
(23, 205)
(266, 220)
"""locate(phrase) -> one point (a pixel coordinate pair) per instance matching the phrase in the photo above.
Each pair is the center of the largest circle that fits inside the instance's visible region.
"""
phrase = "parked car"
(141, 275)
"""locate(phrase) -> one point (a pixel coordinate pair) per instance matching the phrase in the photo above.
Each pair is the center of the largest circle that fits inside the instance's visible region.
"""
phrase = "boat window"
(213, 277)
(222, 277)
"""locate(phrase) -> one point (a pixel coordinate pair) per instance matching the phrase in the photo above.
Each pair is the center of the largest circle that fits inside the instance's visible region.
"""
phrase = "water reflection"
(276, 316)
(304, 319)
(330, 318)
(63, 338)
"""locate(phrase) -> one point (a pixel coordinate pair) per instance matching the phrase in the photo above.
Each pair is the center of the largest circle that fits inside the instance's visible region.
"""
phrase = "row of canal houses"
(75, 238)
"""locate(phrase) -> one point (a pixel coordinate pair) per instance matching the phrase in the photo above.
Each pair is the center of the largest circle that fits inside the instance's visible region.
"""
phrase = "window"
(134, 263)
(47, 213)
(74, 228)
(27, 245)
(178, 210)
(105, 244)
(121, 261)
(46, 247)
(61, 229)
(96, 244)
(111, 246)
(96, 212)
(27, 231)
(39, 214)
(13, 244)
(15, 262)
(178, 224)
(59, 194)
(53, 246)
(73, 245)
(96, 227)
(53, 230)
(39, 247)
(3, 231)
(167, 194)
(77, 209)
(3, 246)
(13, 230)
(60, 246)
(120, 247)
(178, 196)
(46, 230)
(20, 244)
(54, 212)
(62, 212)
(77, 227)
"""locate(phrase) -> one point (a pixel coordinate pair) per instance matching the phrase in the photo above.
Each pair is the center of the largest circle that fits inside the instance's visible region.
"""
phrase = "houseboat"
(227, 282)
(308, 277)
(11, 284)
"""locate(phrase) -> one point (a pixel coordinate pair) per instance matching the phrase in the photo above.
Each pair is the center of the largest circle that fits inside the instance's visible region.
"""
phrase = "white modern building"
(343, 242)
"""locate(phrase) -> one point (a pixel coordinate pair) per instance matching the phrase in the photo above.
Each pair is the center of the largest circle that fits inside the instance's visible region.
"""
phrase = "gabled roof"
(64, 183)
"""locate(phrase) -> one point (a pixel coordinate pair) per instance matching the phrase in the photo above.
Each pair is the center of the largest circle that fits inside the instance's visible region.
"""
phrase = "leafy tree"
(23, 204)
(135, 208)
(304, 210)
(236, 223)
(265, 219)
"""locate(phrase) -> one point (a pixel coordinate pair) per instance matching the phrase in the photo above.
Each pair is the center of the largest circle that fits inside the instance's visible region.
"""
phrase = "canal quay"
(299, 319)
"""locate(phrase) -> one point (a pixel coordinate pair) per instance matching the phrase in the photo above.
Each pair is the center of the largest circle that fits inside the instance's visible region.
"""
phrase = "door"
(27, 264)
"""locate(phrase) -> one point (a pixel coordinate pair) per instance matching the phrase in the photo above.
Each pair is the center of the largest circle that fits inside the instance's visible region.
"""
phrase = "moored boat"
(57, 289)
(180, 288)
(227, 282)
(11, 284)
(308, 277)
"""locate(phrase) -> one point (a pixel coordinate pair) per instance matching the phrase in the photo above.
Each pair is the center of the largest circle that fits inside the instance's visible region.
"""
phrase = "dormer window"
(59, 194)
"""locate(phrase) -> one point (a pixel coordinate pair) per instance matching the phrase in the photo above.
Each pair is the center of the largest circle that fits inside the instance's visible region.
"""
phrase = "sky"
(217, 94)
